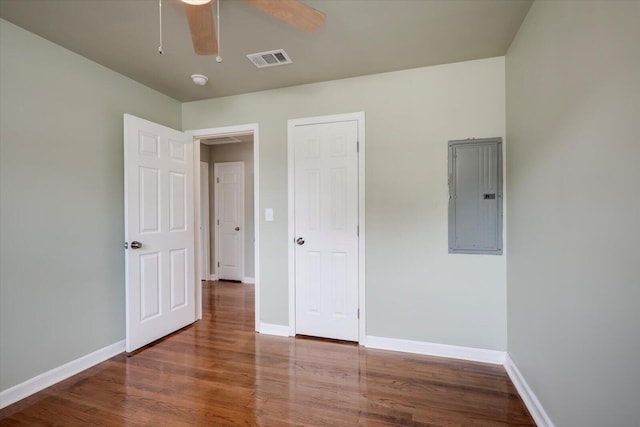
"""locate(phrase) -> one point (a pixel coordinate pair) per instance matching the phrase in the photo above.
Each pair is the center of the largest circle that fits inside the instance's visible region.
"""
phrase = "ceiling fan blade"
(203, 33)
(294, 12)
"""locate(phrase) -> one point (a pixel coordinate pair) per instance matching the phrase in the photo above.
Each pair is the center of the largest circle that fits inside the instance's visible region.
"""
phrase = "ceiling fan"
(203, 34)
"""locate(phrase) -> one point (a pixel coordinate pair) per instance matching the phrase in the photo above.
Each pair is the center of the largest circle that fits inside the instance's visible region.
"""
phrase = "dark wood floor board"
(142, 407)
(219, 372)
(191, 391)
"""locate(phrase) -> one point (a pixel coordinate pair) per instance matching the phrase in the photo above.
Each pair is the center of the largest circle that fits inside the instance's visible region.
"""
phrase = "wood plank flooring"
(218, 372)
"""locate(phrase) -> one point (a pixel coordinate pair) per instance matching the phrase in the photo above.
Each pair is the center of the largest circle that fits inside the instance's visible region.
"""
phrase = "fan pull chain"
(160, 51)
(219, 56)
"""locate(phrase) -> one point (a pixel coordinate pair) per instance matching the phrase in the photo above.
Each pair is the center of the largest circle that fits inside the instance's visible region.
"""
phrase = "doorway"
(223, 145)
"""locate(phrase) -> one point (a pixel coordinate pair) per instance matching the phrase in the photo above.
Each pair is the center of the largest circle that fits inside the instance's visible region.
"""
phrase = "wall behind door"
(62, 207)
(416, 290)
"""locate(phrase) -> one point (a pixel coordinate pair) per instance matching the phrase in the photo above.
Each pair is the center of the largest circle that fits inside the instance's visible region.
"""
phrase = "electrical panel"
(475, 196)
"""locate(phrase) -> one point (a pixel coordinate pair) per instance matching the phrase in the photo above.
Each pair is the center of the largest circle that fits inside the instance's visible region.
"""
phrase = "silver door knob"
(300, 241)
(237, 228)
(136, 245)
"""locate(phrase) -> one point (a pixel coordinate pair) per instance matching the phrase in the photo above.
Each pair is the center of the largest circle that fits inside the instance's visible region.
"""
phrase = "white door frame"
(359, 117)
(197, 135)
(204, 225)
(216, 216)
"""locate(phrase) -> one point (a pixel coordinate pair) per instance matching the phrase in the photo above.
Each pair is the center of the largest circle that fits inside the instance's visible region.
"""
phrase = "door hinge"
(357, 230)
(358, 313)
(218, 179)
(218, 263)
(218, 222)
(357, 146)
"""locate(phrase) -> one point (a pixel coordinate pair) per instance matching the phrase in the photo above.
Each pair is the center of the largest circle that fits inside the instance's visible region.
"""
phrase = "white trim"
(196, 230)
(271, 329)
(235, 130)
(216, 215)
(360, 118)
(440, 350)
(213, 277)
(362, 229)
(216, 226)
(249, 280)
(256, 220)
(291, 257)
(204, 219)
(230, 131)
(55, 375)
(529, 398)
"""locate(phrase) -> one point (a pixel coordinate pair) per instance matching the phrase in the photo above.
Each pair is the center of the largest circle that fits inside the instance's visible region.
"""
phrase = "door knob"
(237, 228)
(136, 245)
(300, 241)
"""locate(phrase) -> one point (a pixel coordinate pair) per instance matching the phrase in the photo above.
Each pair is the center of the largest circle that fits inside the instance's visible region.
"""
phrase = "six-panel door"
(326, 229)
(159, 218)
(230, 219)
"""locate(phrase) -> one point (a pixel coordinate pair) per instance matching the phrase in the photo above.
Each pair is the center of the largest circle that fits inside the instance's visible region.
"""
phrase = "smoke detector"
(199, 79)
(270, 58)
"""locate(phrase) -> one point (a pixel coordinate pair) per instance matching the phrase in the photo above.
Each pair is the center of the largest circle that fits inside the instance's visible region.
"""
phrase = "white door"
(326, 229)
(204, 221)
(229, 219)
(159, 221)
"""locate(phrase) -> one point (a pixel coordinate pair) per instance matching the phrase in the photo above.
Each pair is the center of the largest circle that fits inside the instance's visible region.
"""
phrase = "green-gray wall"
(61, 214)
(415, 289)
(573, 129)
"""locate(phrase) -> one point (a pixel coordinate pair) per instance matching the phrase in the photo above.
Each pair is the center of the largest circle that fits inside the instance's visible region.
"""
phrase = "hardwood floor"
(219, 372)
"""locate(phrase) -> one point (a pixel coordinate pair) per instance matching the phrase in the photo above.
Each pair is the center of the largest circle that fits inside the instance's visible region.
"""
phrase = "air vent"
(270, 58)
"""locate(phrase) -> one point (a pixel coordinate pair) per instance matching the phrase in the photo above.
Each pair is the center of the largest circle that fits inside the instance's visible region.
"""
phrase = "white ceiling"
(359, 37)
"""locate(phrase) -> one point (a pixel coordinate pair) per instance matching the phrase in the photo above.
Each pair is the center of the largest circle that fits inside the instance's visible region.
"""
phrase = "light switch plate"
(268, 214)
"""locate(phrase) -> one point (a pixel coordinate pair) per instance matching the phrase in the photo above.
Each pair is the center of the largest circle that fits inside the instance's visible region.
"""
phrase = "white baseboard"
(213, 277)
(55, 375)
(528, 396)
(270, 329)
(440, 350)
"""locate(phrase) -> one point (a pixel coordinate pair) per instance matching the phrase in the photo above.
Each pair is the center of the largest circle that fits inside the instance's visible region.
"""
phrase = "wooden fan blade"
(294, 12)
(203, 33)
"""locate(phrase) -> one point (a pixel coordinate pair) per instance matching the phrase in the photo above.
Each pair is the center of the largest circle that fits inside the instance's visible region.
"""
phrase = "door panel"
(149, 202)
(178, 201)
(326, 218)
(150, 285)
(178, 278)
(339, 282)
(230, 219)
(158, 214)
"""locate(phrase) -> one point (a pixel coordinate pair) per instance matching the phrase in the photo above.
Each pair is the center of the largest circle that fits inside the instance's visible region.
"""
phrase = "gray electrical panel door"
(475, 196)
